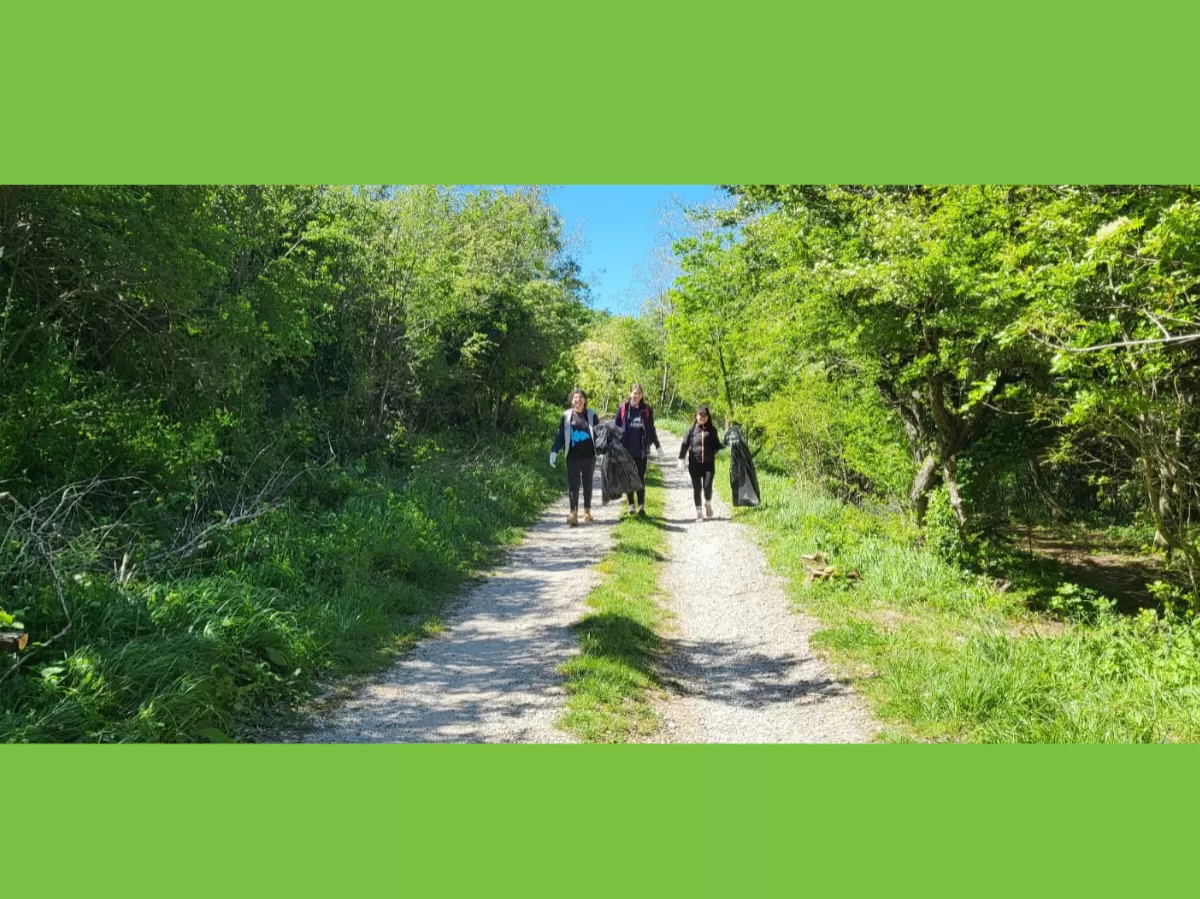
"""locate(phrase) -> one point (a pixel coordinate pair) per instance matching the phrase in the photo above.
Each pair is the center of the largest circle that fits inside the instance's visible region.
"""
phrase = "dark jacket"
(637, 440)
(562, 438)
(700, 444)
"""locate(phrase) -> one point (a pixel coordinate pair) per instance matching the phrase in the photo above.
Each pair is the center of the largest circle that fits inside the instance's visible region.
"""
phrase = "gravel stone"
(490, 676)
(740, 656)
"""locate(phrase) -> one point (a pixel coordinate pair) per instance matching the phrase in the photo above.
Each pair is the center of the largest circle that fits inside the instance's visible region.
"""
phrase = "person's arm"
(559, 438)
(683, 447)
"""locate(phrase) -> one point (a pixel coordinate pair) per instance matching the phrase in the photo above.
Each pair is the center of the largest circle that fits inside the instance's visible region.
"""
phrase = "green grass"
(677, 424)
(942, 656)
(611, 683)
(354, 570)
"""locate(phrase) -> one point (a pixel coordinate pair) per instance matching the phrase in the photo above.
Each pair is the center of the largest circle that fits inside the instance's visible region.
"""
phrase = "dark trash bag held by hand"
(618, 471)
(743, 481)
(605, 434)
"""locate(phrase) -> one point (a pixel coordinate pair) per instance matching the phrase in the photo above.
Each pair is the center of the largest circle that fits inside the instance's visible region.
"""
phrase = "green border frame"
(599, 820)
(634, 92)
(628, 93)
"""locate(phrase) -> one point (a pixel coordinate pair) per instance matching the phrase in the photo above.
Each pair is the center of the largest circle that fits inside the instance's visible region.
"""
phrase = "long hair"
(636, 386)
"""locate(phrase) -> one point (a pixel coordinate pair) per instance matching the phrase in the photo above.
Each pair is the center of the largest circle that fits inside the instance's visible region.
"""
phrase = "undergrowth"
(351, 570)
(943, 655)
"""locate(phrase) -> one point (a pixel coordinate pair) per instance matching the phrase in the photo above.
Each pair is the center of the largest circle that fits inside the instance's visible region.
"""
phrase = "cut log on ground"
(13, 642)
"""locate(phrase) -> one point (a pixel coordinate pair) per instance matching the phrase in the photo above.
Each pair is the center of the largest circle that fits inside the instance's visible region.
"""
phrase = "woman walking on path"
(700, 447)
(576, 435)
(636, 421)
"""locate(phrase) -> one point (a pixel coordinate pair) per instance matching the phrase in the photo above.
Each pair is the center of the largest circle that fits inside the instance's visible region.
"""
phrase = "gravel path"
(490, 676)
(740, 654)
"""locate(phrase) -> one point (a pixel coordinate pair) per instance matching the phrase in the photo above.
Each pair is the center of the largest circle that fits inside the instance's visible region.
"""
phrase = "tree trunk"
(1039, 483)
(949, 472)
(725, 380)
(925, 481)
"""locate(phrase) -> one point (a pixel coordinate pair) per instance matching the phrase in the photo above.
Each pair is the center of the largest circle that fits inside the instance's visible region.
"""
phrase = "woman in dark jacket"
(577, 435)
(636, 421)
(700, 447)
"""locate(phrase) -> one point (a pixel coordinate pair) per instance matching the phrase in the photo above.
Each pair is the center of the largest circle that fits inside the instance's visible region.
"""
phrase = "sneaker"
(708, 510)
(587, 514)
(642, 511)
(699, 515)
(572, 519)
(631, 511)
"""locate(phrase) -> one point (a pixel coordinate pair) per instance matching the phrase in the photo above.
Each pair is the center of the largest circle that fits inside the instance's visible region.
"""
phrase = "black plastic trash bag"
(605, 434)
(743, 481)
(618, 471)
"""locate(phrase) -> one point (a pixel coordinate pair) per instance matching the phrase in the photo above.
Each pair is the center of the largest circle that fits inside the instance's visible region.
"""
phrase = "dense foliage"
(218, 408)
(1006, 353)
(981, 402)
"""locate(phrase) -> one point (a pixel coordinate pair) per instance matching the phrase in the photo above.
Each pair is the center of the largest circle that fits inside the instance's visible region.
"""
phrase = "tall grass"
(941, 655)
(338, 581)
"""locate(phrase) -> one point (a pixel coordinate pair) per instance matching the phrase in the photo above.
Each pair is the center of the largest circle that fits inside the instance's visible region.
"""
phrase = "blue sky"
(619, 225)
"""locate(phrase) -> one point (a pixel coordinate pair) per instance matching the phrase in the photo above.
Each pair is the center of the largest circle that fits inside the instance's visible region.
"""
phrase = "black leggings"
(702, 477)
(641, 494)
(580, 471)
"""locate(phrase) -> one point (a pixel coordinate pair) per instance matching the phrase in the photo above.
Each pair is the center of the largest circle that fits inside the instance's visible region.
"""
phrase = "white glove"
(553, 459)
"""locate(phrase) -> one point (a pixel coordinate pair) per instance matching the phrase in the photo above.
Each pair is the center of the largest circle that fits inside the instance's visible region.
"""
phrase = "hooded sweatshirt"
(637, 428)
(700, 445)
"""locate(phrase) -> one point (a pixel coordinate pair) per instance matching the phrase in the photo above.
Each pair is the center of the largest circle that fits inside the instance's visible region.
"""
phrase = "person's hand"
(680, 465)
(553, 459)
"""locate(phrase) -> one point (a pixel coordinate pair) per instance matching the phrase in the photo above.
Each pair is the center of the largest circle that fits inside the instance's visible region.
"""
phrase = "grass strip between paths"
(611, 682)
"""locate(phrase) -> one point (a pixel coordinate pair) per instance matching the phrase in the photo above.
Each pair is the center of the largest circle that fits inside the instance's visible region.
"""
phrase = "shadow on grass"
(652, 554)
(614, 636)
(1120, 576)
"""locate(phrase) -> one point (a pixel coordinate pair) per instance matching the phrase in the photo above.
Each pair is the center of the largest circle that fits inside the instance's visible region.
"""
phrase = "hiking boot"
(708, 510)
(587, 514)
(699, 515)
(572, 519)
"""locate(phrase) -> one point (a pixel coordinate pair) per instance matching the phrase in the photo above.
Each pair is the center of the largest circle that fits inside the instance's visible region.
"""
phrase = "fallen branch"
(37, 536)
(240, 514)
(818, 570)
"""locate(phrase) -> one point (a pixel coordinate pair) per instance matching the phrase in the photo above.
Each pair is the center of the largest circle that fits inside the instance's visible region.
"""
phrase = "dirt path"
(741, 654)
(490, 676)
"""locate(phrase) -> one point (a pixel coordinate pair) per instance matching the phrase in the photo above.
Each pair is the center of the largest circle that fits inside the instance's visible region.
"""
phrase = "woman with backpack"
(577, 436)
(636, 421)
(700, 447)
